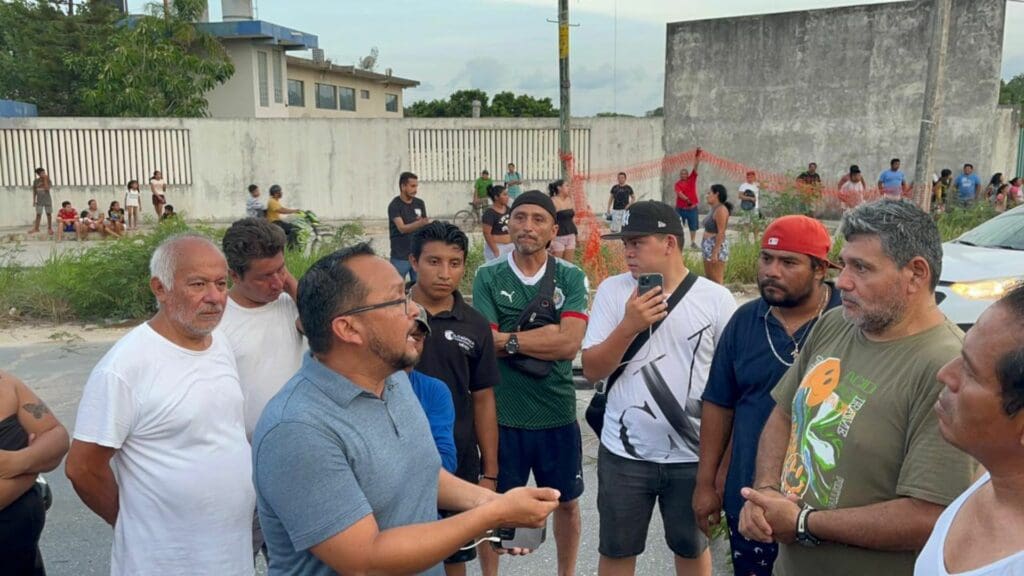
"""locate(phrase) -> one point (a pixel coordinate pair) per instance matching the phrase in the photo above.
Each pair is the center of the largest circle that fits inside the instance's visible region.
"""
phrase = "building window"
(347, 98)
(296, 93)
(364, 94)
(261, 60)
(391, 102)
(326, 96)
(278, 79)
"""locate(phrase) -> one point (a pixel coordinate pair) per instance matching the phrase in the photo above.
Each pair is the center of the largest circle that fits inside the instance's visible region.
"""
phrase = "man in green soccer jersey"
(536, 400)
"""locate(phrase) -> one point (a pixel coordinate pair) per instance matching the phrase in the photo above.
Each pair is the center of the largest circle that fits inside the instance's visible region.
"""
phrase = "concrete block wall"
(340, 168)
(837, 86)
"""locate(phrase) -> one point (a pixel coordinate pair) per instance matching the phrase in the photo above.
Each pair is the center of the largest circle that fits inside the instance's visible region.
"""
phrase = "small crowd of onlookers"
(116, 221)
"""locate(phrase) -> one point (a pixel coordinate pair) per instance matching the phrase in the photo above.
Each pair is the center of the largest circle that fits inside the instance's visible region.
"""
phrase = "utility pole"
(564, 141)
(932, 99)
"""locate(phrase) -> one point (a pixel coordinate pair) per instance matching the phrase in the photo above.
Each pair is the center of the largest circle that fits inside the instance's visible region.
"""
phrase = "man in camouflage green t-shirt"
(852, 472)
(538, 431)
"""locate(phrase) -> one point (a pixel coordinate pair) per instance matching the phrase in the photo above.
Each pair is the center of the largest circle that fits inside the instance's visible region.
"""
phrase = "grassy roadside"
(109, 281)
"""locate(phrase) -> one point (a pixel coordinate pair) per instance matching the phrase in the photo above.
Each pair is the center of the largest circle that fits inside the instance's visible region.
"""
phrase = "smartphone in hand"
(647, 282)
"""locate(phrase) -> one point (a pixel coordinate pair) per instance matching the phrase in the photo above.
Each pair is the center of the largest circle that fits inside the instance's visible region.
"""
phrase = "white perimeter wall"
(340, 168)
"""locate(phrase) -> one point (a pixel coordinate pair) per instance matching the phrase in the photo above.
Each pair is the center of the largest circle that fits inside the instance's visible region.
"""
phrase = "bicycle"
(468, 220)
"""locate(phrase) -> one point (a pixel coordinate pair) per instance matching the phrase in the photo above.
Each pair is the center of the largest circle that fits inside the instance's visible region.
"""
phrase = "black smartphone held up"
(529, 538)
(647, 282)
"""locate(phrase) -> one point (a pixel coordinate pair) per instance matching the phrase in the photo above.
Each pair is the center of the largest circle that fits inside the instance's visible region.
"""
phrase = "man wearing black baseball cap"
(650, 435)
(536, 399)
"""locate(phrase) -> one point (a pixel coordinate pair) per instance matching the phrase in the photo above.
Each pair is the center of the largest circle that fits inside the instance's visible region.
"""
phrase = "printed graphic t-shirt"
(863, 432)
(653, 410)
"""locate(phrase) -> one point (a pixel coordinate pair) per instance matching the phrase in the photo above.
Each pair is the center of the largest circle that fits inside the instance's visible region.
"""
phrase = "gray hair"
(164, 262)
(905, 231)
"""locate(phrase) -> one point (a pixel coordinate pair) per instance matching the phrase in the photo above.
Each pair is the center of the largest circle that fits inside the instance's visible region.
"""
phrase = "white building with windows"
(325, 90)
(268, 83)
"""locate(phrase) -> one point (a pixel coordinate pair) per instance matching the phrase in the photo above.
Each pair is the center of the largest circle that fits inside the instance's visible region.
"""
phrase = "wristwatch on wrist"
(803, 535)
(512, 345)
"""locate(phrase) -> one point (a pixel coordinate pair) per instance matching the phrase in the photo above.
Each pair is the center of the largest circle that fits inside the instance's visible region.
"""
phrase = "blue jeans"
(689, 217)
(404, 268)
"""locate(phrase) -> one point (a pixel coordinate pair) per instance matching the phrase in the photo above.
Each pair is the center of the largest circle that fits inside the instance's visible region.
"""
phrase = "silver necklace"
(796, 343)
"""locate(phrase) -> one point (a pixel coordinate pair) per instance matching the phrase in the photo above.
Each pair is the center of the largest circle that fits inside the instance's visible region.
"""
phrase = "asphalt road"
(76, 542)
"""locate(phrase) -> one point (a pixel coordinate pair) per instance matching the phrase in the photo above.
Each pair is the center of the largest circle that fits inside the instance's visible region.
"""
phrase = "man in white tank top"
(981, 411)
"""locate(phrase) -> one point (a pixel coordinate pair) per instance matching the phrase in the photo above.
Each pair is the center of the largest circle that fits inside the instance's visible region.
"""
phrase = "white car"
(980, 266)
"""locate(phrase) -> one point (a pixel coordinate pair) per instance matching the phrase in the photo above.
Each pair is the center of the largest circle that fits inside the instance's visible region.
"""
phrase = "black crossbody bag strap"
(642, 337)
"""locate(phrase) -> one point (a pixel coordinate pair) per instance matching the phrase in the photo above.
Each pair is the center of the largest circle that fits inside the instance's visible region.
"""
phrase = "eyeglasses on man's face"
(403, 301)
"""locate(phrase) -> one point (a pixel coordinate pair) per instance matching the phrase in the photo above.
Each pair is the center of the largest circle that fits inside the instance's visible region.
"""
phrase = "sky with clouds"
(617, 53)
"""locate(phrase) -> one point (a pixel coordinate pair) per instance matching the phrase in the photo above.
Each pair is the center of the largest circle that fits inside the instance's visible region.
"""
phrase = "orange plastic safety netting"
(602, 259)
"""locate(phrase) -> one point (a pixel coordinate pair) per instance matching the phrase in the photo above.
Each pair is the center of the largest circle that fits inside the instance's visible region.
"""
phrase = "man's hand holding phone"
(647, 305)
(526, 508)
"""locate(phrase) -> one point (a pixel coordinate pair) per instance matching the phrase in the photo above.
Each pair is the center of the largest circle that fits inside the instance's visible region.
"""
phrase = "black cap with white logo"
(648, 217)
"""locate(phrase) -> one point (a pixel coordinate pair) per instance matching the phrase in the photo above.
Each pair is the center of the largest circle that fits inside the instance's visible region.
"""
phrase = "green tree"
(504, 104)
(156, 65)
(35, 42)
(1012, 92)
(509, 105)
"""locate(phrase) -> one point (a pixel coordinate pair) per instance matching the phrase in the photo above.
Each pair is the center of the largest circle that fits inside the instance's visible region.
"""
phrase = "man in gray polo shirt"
(347, 477)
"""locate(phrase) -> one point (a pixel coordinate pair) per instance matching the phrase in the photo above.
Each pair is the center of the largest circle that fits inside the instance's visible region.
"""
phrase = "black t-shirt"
(460, 352)
(497, 221)
(401, 244)
(621, 196)
(808, 178)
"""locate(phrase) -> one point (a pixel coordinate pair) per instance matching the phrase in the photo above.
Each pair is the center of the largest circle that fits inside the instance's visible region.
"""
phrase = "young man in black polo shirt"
(460, 352)
(406, 214)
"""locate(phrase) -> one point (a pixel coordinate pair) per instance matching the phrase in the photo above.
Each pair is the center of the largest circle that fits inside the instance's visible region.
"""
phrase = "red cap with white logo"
(799, 234)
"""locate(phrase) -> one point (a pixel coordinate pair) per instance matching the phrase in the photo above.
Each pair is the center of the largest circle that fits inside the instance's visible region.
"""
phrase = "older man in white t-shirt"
(159, 448)
(651, 430)
(260, 320)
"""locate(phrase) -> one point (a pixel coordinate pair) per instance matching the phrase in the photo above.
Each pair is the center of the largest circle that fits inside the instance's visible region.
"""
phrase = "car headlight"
(985, 289)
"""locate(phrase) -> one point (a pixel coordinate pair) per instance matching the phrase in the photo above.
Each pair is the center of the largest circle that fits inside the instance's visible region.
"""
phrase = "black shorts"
(554, 455)
(626, 492)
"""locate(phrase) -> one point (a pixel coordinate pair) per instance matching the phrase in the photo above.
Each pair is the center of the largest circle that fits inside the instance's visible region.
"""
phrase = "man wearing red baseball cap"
(759, 344)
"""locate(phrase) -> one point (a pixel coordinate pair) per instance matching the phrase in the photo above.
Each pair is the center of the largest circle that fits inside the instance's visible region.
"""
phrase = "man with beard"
(348, 479)
(851, 470)
(537, 428)
(159, 449)
(761, 341)
(649, 441)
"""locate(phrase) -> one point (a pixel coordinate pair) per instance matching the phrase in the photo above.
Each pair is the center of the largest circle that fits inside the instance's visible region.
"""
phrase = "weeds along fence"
(109, 281)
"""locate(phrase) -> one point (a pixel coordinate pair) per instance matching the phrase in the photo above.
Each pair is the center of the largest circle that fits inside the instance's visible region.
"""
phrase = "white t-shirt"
(655, 404)
(931, 561)
(268, 350)
(852, 193)
(183, 465)
(753, 188)
(255, 207)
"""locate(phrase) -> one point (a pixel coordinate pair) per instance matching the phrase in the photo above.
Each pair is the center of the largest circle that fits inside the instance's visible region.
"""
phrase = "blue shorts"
(749, 558)
(554, 455)
(689, 217)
